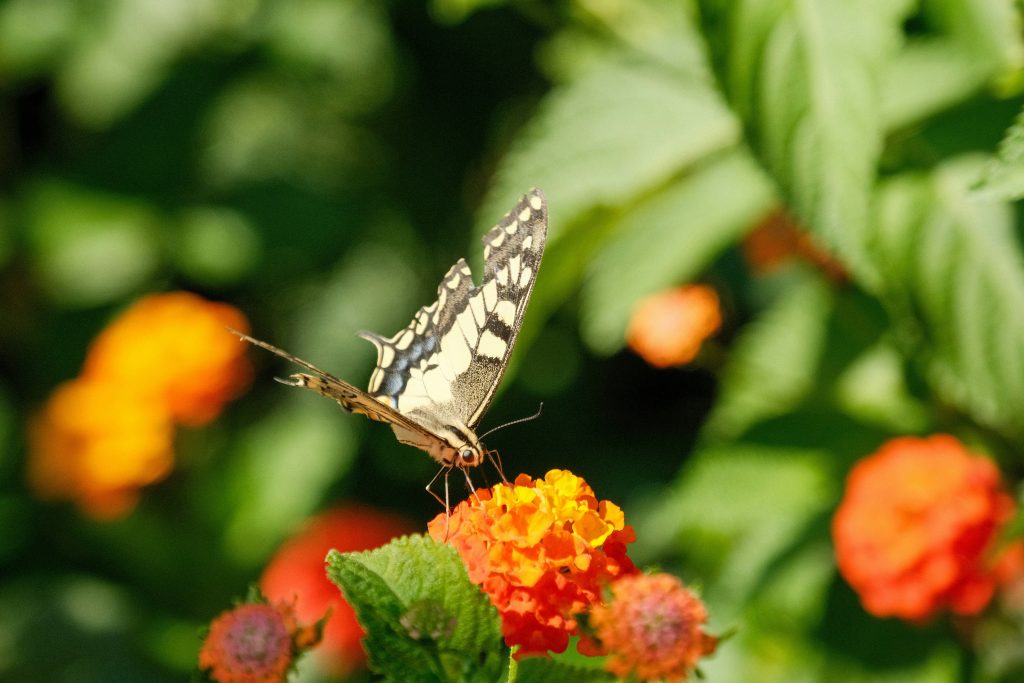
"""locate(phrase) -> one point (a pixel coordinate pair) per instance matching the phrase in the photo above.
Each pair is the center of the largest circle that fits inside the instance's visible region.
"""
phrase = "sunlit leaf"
(1003, 177)
(804, 75)
(953, 273)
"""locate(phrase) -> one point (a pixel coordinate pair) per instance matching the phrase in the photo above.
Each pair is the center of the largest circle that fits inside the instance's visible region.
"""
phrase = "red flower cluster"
(915, 531)
(297, 573)
(669, 328)
(102, 436)
(652, 628)
(542, 551)
(255, 643)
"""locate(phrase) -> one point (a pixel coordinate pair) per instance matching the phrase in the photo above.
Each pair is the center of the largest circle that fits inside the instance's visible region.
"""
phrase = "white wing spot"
(506, 312)
(490, 291)
(437, 387)
(403, 342)
(512, 227)
(469, 327)
(524, 215)
(513, 267)
(535, 202)
(421, 322)
(387, 355)
(524, 277)
(453, 281)
(455, 351)
(492, 345)
(498, 239)
(502, 276)
(528, 242)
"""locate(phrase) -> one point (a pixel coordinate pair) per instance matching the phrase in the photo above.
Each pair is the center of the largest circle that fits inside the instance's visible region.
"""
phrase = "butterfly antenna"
(540, 408)
(281, 352)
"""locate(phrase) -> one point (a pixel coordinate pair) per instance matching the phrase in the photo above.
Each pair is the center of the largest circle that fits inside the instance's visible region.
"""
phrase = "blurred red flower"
(542, 550)
(651, 628)
(778, 239)
(916, 528)
(669, 327)
(298, 572)
(255, 643)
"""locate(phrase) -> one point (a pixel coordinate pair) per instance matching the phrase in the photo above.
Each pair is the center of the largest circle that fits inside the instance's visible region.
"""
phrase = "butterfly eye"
(467, 455)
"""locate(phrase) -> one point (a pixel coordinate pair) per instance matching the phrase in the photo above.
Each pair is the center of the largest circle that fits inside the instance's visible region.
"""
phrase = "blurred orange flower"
(255, 643)
(102, 436)
(97, 444)
(174, 347)
(778, 239)
(669, 327)
(297, 572)
(915, 531)
(652, 628)
(542, 550)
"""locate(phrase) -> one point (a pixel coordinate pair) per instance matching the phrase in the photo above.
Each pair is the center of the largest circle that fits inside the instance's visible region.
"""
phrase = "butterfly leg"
(447, 508)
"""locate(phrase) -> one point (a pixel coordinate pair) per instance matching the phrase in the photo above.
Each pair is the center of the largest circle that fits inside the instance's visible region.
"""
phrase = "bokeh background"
(833, 170)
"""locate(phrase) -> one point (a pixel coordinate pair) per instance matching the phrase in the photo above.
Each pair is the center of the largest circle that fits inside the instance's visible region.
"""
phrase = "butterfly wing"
(446, 364)
(352, 399)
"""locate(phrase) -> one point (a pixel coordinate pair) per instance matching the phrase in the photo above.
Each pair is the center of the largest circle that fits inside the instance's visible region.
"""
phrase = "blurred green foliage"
(320, 163)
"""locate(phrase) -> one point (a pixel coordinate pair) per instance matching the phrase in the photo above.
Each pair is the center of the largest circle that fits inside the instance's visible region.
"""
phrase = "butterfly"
(436, 377)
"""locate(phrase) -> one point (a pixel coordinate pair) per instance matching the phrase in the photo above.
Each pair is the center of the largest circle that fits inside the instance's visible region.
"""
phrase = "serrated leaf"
(954, 279)
(773, 364)
(541, 670)
(668, 239)
(605, 138)
(1003, 177)
(424, 620)
(804, 76)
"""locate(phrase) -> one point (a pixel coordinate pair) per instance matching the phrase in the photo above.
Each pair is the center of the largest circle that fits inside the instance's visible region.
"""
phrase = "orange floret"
(95, 444)
(542, 550)
(669, 328)
(915, 531)
(174, 347)
(652, 628)
(297, 573)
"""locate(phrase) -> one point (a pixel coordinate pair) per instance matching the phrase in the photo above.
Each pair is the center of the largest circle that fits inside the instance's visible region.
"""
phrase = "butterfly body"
(436, 377)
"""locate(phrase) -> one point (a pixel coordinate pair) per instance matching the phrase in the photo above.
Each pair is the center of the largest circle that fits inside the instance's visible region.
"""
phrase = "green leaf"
(990, 30)
(804, 76)
(955, 284)
(1003, 177)
(424, 620)
(542, 670)
(773, 364)
(668, 239)
(613, 134)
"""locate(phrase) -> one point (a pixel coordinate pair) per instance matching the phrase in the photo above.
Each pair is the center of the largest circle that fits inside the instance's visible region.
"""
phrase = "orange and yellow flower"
(255, 643)
(542, 550)
(297, 572)
(97, 444)
(916, 529)
(174, 348)
(668, 328)
(652, 628)
(167, 359)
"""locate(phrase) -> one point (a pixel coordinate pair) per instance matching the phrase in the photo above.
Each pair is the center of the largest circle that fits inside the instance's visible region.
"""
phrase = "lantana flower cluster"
(542, 550)
(918, 526)
(166, 360)
(552, 558)
(255, 642)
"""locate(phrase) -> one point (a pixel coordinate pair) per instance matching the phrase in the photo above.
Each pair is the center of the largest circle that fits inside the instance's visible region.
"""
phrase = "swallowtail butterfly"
(436, 377)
